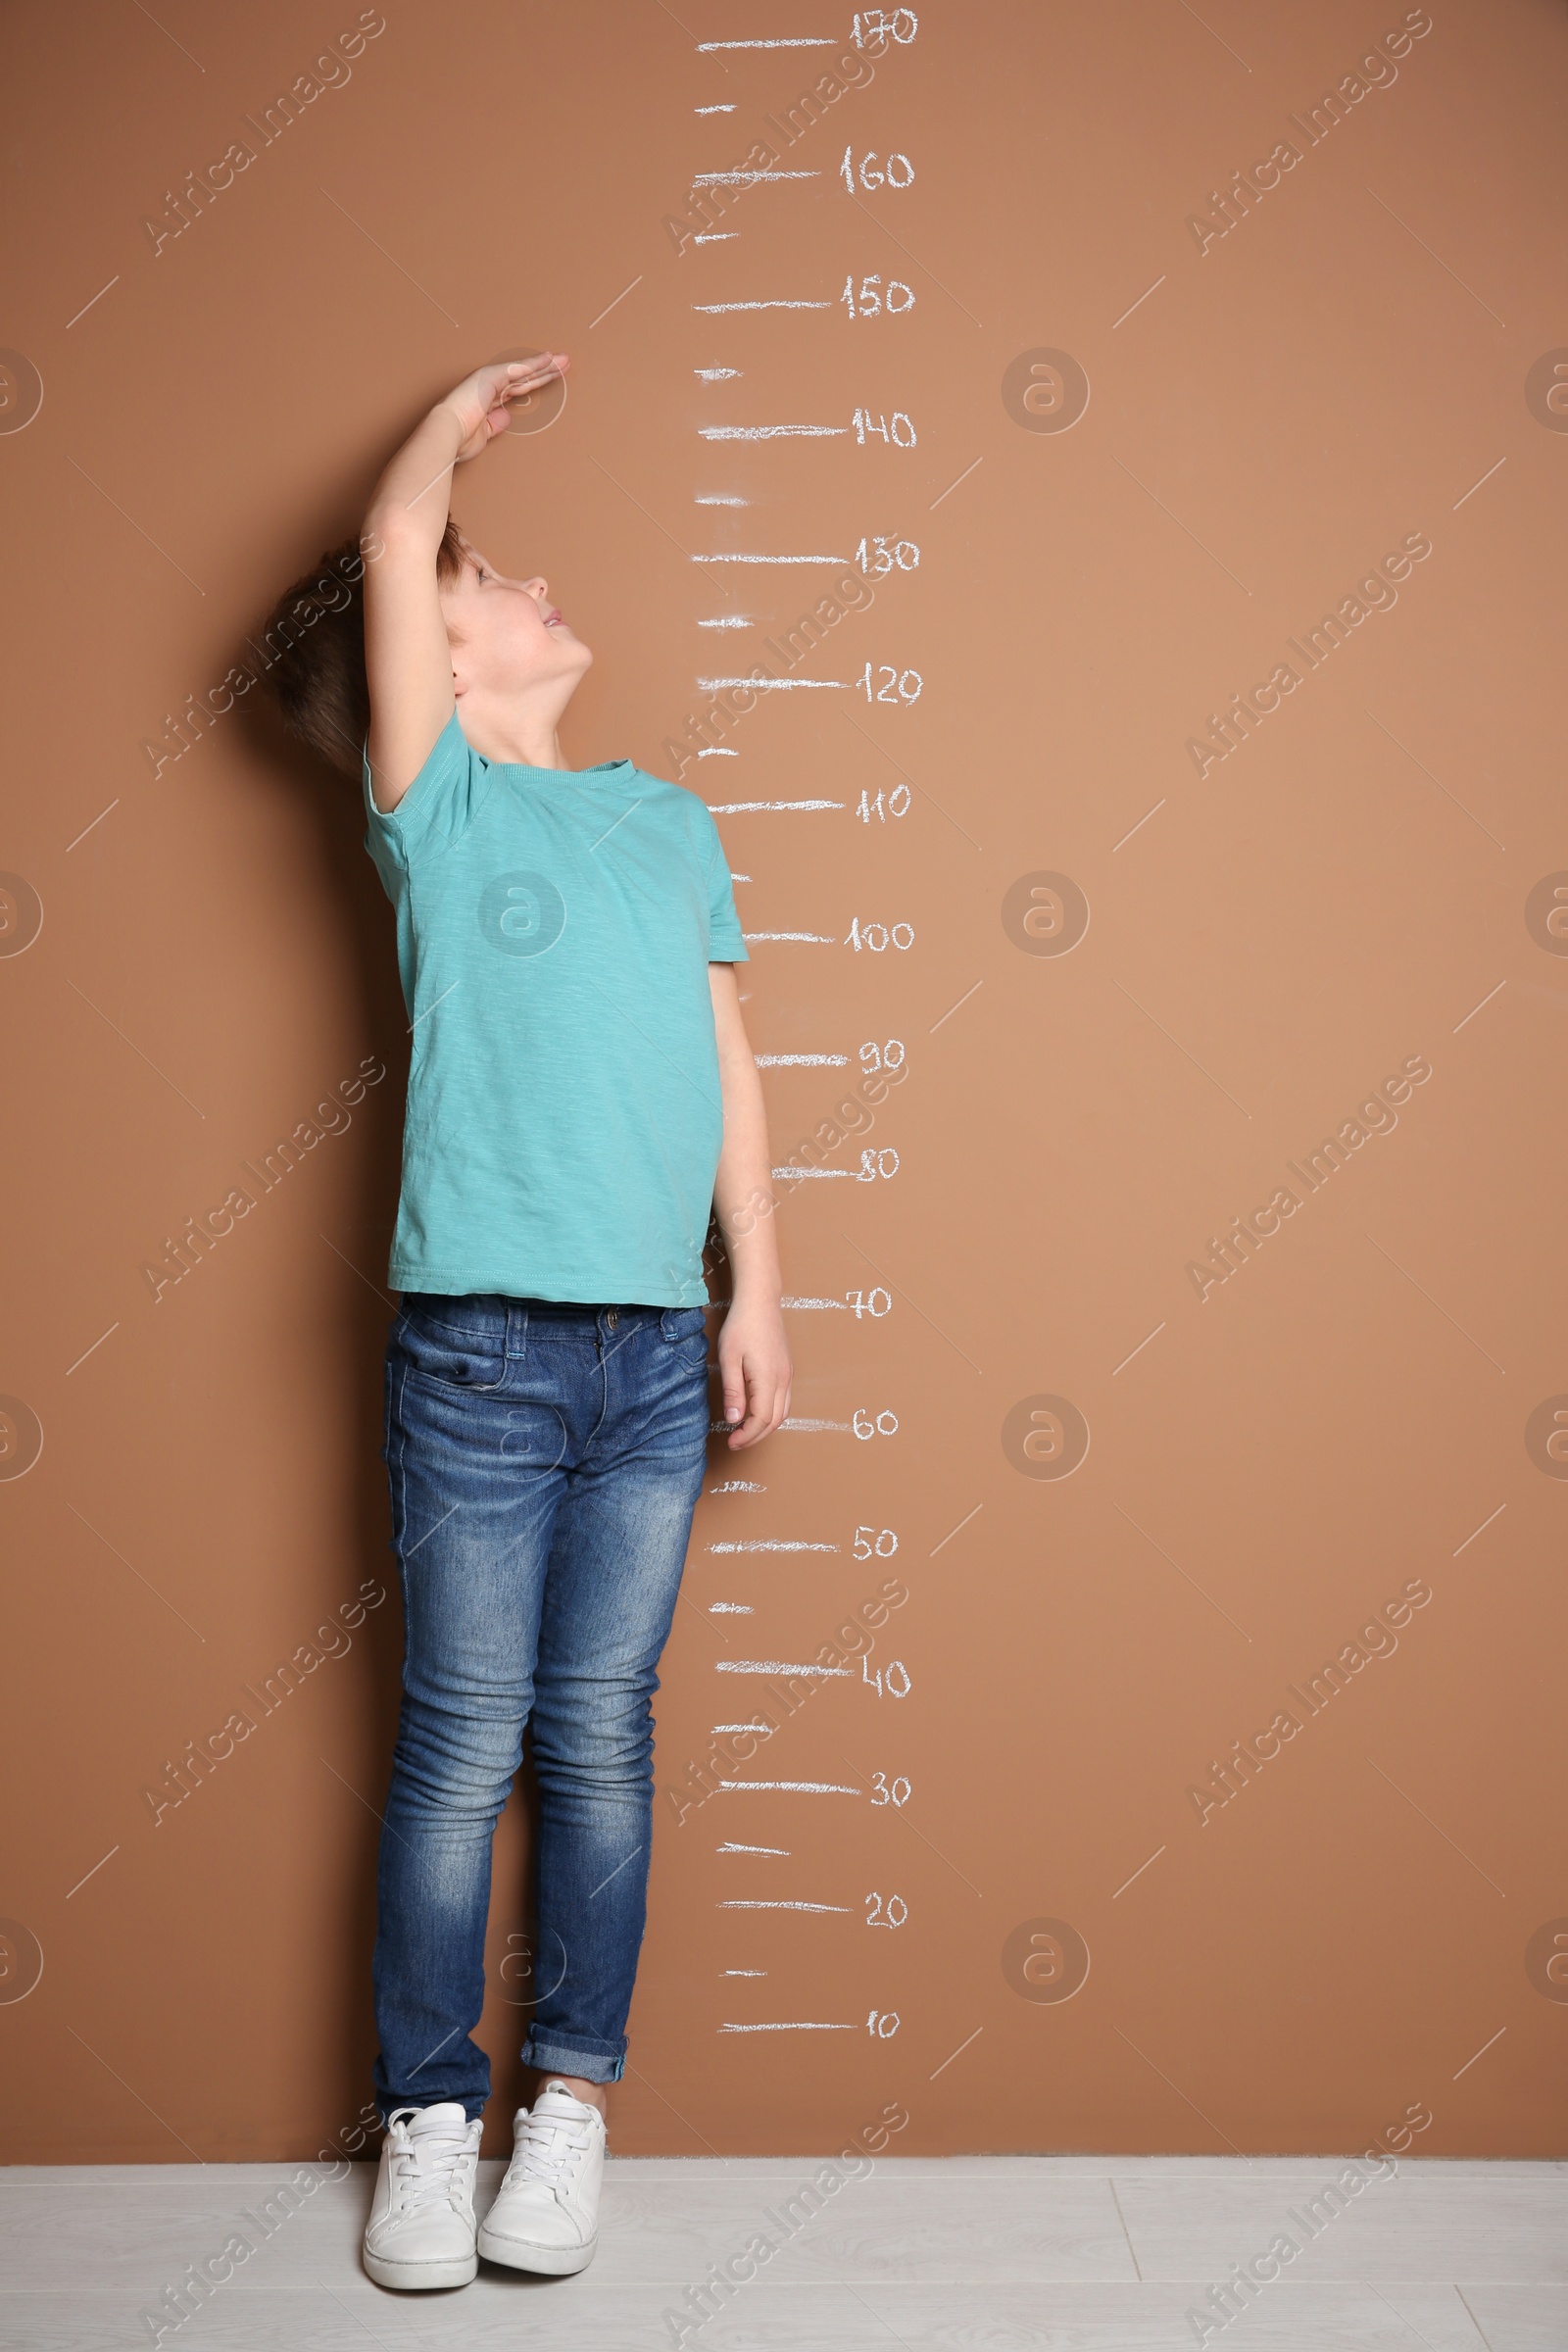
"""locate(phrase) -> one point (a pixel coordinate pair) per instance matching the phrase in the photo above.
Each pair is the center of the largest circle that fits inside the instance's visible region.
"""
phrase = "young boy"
(581, 1097)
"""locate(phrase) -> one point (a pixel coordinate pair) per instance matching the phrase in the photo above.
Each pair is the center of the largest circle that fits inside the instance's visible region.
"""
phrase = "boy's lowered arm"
(407, 656)
(754, 1358)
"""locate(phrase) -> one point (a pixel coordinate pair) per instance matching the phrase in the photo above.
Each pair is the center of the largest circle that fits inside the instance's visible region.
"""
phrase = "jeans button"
(611, 1318)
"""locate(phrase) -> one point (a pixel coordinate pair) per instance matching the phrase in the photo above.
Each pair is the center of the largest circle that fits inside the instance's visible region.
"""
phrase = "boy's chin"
(570, 657)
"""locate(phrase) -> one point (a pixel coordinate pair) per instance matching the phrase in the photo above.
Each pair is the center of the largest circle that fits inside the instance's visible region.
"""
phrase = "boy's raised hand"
(407, 655)
(481, 402)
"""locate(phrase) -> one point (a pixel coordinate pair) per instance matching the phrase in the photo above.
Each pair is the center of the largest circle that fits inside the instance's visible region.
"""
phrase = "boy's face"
(507, 637)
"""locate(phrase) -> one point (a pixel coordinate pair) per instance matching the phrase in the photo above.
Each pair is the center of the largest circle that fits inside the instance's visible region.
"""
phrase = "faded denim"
(544, 1461)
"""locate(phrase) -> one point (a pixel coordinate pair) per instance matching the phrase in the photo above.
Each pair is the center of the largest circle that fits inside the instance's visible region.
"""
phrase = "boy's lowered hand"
(754, 1363)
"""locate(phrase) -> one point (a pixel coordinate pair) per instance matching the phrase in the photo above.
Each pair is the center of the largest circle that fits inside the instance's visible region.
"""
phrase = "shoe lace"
(426, 2166)
(549, 2149)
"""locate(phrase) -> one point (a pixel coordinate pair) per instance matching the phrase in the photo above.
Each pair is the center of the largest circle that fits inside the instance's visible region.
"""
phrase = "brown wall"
(1362, 886)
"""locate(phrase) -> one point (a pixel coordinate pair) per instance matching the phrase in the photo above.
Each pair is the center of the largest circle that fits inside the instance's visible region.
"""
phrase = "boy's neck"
(511, 739)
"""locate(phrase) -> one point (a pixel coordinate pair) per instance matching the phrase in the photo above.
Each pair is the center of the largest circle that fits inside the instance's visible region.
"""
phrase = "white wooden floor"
(963, 2254)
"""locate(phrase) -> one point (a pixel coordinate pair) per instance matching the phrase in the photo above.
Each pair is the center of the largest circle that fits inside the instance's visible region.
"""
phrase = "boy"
(581, 1097)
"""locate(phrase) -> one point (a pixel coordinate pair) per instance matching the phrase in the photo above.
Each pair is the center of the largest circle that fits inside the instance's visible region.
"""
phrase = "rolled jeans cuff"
(589, 2060)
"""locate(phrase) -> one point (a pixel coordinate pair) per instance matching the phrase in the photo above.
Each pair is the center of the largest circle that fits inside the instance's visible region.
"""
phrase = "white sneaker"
(421, 2228)
(546, 2213)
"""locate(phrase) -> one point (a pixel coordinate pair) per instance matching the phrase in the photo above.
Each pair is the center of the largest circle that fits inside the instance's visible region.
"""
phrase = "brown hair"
(312, 649)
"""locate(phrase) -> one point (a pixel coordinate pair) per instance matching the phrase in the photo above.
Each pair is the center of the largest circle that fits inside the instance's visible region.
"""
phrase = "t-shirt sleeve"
(726, 943)
(436, 808)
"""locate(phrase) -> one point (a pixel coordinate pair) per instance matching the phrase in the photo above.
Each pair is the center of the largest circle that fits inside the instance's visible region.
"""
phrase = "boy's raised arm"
(407, 656)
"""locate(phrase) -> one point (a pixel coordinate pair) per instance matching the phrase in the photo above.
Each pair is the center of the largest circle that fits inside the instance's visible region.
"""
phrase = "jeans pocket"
(449, 1355)
(685, 1329)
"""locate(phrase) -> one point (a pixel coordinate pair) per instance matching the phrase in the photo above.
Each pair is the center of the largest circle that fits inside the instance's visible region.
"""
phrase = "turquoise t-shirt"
(564, 1119)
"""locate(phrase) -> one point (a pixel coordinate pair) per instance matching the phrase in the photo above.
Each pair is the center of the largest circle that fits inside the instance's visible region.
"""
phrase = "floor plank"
(1417, 2224)
(964, 2254)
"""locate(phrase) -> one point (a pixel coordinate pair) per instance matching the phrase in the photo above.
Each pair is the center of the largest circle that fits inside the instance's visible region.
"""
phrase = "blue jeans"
(545, 1461)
